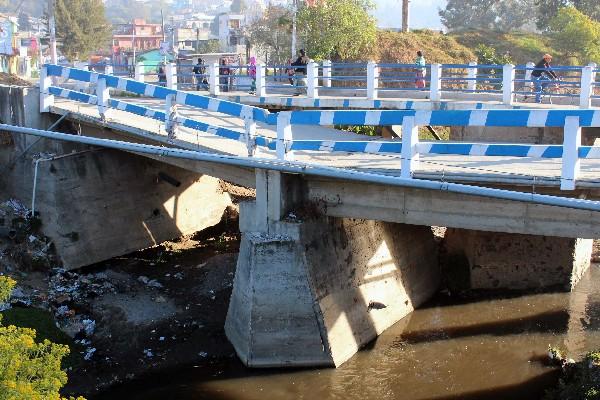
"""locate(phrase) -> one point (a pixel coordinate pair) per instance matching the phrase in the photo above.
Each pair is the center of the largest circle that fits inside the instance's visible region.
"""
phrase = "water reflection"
(488, 349)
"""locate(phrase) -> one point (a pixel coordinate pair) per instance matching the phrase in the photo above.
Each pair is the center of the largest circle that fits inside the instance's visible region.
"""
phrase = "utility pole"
(405, 18)
(294, 12)
(133, 40)
(52, 29)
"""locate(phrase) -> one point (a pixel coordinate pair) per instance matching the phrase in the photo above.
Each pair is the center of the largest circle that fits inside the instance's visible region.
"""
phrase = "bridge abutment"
(492, 260)
(312, 292)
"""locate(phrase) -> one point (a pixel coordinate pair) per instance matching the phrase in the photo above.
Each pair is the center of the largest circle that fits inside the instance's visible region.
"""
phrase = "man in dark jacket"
(200, 75)
(300, 72)
(542, 75)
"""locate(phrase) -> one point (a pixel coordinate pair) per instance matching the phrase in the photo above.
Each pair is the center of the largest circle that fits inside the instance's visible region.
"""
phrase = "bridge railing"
(505, 83)
(410, 148)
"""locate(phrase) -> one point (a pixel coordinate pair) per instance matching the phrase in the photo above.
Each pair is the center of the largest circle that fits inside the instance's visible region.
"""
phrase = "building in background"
(137, 35)
(231, 33)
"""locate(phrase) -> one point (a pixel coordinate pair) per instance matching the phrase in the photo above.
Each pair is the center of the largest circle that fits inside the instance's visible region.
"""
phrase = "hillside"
(459, 47)
(397, 47)
(522, 47)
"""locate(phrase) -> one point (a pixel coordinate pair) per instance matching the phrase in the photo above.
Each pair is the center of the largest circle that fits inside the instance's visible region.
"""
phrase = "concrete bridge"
(337, 245)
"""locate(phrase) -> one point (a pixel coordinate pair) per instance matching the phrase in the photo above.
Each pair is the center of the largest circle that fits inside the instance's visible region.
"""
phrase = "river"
(488, 348)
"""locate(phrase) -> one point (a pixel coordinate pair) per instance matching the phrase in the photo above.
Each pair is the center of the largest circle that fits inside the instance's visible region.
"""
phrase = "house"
(139, 35)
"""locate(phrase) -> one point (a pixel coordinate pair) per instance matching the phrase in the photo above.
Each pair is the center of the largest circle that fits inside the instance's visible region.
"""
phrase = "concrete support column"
(372, 80)
(46, 99)
(213, 79)
(313, 293)
(327, 73)
(139, 72)
(528, 71)
(508, 84)
(435, 86)
(261, 80)
(491, 260)
(171, 73)
(588, 76)
(312, 74)
(472, 76)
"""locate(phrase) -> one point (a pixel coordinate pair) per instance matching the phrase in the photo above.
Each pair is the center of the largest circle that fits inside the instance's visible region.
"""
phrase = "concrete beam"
(439, 208)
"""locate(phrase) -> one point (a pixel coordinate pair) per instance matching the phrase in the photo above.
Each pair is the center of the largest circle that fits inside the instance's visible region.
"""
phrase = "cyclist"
(542, 76)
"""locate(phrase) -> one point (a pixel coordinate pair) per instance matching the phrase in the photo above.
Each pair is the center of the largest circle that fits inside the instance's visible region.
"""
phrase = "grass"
(43, 323)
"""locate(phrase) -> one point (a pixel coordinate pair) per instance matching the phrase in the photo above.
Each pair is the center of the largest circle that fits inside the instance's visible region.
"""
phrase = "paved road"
(490, 170)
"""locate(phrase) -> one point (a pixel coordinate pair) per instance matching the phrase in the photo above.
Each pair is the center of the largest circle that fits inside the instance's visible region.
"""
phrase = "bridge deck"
(477, 169)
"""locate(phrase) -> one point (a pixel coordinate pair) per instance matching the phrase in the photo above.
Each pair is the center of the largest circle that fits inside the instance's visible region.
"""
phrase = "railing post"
(284, 136)
(103, 97)
(171, 116)
(435, 86)
(410, 147)
(261, 80)
(46, 99)
(327, 73)
(139, 72)
(508, 84)
(528, 72)
(570, 158)
(372, 80)
(472, 76)
(213, 79)
(587, 86)
(108, 70)
(312, 74)
(249, 130)
(171, 73)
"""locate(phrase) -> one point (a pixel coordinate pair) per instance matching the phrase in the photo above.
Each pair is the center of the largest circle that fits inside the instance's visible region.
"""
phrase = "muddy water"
(481, 348)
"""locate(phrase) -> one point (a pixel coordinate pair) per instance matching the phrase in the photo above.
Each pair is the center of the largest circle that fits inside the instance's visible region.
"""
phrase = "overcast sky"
(423, 13)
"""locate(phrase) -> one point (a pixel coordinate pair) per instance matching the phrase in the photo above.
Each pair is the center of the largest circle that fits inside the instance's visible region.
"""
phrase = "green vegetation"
(579, 381)
(29, 370)
(402, 47)
(337, 30)
(82, 28)
(271, 34)
(576, 35)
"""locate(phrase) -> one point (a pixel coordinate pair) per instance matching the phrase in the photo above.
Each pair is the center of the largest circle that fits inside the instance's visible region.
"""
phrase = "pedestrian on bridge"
(200, 75)
(300, 72)
(252, 74)
(542, 76)
(420, 71)
(224, 76)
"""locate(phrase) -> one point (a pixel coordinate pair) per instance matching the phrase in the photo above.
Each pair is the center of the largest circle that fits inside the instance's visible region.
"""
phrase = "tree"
(337, 29)
(576, 34)
(272, 34)
(238, 6)
(503, 15)
(82, 27)
(209, 46)
(28, 370)
(548, 9)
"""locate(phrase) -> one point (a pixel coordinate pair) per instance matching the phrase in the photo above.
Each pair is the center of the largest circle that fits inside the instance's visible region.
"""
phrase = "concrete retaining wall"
(489, 260)
(96, 204)
(313, 293)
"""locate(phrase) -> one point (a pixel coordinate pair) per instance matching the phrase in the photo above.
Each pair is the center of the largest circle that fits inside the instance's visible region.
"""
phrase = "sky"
(423, 13)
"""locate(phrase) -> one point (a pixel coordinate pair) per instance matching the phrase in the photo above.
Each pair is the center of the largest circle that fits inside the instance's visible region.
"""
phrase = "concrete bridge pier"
(493, 260)
(311, 290)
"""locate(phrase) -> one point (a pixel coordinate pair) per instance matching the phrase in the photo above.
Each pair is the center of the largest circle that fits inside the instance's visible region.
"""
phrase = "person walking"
(420, 71)
(542, 76)
(224, 76)
(290, 72)
(162, 75)
(200, 75)
(300, 72)
(252, 74)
